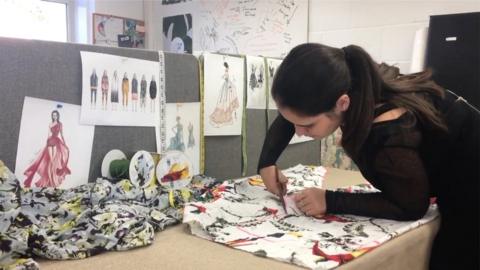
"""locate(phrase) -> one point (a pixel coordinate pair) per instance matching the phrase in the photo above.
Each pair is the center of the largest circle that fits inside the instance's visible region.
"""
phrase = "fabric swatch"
(245, 216)
(65, 224)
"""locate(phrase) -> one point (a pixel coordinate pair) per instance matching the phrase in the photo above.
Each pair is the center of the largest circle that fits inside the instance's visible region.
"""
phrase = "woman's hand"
(312, 202)
(269, 176)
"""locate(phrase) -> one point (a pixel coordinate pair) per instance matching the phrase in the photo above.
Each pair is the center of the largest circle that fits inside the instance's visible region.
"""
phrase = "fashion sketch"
(225, 111)
(134, 93)
(143, 93)
(93, 89)
(125, 90)
(51, 164)
(153, 93)
(176, 142)
(191, 138)
(105, 85)
(114, 91)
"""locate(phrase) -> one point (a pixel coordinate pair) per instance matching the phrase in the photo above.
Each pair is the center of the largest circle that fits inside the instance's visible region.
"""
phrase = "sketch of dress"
(191, 139)
(260, 77)
(134, 92)
(52, 162)
(125, 90)
(104, 90)
(253, 82)
(143, 93)
(227, 103)
(93, 89)
(114, 91)
(153, 93)
(176, 142)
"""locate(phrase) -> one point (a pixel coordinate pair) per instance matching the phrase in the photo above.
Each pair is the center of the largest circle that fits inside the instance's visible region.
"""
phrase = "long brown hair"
(313, 76)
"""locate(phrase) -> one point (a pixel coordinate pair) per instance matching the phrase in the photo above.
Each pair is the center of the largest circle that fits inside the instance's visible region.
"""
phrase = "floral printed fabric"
(245, 216)
(86, 220)
(333, 155)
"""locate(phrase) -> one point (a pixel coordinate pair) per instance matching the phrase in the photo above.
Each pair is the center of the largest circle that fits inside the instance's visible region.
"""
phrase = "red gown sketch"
(227, 103)
(51, 163)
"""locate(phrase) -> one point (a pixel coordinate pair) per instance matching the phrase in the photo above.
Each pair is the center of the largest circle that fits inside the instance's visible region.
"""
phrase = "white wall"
(385, 28)
(132, 9)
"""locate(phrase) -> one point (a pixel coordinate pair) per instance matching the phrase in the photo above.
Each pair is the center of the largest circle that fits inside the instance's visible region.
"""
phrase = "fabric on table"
(245, 216)
(85, 220)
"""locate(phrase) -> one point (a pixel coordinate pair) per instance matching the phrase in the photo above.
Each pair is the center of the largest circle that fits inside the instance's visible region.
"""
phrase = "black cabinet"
(453, 53)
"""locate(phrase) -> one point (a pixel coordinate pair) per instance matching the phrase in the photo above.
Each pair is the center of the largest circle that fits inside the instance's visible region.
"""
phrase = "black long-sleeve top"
(406, 161)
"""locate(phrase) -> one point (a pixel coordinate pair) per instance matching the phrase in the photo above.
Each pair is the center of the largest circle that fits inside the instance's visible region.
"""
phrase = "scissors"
(283, 190)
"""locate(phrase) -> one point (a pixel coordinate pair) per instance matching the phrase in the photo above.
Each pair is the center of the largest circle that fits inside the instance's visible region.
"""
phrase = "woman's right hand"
(269, 176)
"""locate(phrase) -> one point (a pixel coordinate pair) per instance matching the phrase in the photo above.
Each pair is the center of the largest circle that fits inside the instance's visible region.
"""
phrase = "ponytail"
(365, 92)
(413, 92)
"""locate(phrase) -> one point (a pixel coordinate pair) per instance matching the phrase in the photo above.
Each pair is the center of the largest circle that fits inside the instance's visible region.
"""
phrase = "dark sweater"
(407, 161)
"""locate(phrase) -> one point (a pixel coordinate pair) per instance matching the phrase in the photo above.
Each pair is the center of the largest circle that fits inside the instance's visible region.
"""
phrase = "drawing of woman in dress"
(125, 90)
(153, 93)
(134, 92)
(114, 94)
(191, 139)
(253, 78)
(104, 90)
(176, 142)
(52, 162)
(93, 89)
(227, 102)
(143, 93)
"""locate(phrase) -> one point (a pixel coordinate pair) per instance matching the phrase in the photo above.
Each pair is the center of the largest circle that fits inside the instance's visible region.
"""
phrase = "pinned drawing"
(272, 66)
(254, 27)
(224, 84)
(120, 90)
(177, 33)
(257, 86)
(182, 122)
(59, 157)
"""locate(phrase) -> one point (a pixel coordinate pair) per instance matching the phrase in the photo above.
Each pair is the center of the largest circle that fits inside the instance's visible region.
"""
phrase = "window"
(34, 19)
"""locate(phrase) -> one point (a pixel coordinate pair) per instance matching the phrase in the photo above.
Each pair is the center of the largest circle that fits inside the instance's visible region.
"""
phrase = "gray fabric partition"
(53, 71)
(223, 156)
(306, 153)
(256, 131)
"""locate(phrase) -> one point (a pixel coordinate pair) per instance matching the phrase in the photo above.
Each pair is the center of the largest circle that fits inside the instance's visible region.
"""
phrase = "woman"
(134, 92)
(104, 90)
(153, 93)
(125, 90)
(409, 137)
(93, 89)
(143, 93)
(114, 92)
(176, 142)
(52, 162)
(227, 103)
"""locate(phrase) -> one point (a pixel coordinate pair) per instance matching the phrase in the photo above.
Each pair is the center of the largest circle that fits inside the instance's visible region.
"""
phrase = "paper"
(256, 83)
(183, 131)
(224, 88)
(177, 33)
(272, 66)
(119, 91)
(54, 150)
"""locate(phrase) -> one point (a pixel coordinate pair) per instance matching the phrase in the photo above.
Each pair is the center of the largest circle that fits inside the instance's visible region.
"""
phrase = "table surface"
(176, 248)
